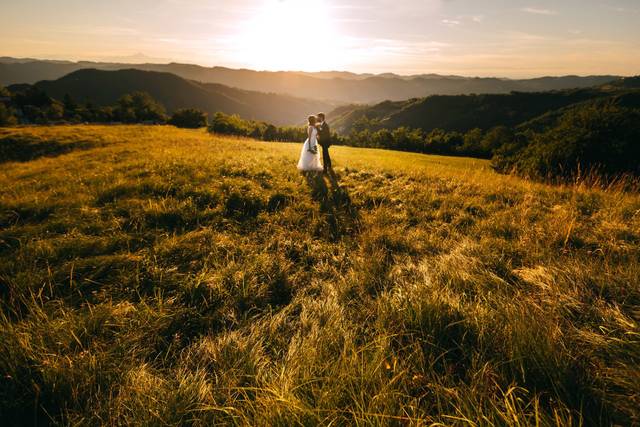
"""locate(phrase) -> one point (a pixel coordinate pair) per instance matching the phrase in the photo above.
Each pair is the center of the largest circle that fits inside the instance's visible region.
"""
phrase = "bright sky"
(513, 38)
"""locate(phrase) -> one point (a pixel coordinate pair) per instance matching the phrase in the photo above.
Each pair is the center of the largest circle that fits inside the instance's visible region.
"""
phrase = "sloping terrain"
(342, 87)
(464, 112)
(157, 276)
(106, 87)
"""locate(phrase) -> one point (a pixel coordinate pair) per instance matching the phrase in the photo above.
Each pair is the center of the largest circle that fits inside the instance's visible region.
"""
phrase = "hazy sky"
(471, 37)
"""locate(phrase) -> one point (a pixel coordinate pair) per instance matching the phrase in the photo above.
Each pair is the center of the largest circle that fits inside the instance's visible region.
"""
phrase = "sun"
(288, 35)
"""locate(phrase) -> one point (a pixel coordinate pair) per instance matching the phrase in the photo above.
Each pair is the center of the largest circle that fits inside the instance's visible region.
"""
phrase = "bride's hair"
(312, 120)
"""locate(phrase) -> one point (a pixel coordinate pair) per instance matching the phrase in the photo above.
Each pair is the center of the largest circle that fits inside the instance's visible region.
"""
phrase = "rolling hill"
(157, 276)
(342, 87)
(105, 87)
(465, 112)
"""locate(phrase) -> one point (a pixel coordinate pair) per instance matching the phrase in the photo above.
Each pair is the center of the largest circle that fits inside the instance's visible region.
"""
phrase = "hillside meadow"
(156, 276)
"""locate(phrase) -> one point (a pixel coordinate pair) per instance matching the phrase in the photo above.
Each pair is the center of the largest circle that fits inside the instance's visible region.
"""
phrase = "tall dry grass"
(155, 276)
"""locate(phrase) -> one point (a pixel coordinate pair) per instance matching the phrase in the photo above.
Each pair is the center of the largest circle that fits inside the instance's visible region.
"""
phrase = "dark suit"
(324, 139)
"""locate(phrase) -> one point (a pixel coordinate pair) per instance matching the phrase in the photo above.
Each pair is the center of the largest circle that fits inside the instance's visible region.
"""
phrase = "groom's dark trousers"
(326, 158)
(325, 143)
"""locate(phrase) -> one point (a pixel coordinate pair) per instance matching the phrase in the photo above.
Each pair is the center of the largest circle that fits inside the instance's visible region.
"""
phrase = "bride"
(309, 157)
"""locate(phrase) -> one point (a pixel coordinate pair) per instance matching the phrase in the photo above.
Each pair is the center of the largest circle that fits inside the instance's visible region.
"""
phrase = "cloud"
(463, 20)
(621, 9)
(537, 11)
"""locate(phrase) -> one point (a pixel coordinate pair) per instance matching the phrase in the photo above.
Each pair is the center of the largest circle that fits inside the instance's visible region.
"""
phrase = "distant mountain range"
(335, 86)
(465, 112)
(106, 87)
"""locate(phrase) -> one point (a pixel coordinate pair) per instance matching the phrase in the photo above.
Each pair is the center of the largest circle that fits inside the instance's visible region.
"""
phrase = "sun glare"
(288, 35)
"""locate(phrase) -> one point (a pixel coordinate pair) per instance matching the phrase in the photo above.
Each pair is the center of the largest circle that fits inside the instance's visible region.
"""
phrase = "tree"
(70, 106)
(494, 139)
(34, 114)
(55, 111)
(270, 133)
(472, 142)
(361, 124)
(139, 107)
(146, 108)
(382, 139)
(124, 110)
(7, 118)
(34, 97)
(229, 125)
(189, 118)
(104, 114)
(441, 142)
(406, 139)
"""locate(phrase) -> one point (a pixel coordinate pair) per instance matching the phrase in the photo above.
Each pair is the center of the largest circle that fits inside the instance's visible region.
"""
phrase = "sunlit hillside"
(156, 276)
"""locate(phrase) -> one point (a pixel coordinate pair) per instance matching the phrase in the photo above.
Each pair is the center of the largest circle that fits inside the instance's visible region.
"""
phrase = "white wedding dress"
(310, 161)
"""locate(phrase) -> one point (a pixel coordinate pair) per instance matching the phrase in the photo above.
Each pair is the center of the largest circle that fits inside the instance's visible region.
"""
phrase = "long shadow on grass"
(24, 149)
(340, 214)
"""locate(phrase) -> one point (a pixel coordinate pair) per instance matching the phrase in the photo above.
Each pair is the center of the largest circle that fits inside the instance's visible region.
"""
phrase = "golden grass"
(158, 276)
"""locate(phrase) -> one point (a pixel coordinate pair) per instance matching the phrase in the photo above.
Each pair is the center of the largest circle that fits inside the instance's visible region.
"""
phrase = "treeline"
(600, 137)
(234, 125)
(474, 143)
(597, 139)
(33, 106)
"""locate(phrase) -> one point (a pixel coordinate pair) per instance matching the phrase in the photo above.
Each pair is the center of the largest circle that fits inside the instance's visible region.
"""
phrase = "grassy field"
(156, 276)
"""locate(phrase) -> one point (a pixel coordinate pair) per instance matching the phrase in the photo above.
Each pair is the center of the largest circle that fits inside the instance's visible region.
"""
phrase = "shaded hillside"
(622, 84)
(601, 143)
(598, 138)
(105, 87)
(32, 71)
(622, 99)
(465, 112)
(337, 86)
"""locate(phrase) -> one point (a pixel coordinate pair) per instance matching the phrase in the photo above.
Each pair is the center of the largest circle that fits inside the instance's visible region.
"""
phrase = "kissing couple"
(318, 132)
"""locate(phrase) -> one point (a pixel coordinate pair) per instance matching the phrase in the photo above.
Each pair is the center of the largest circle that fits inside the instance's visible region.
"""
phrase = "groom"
(324, 139)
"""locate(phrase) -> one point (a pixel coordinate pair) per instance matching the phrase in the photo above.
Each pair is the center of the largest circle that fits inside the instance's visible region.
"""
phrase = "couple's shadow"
(340, 214)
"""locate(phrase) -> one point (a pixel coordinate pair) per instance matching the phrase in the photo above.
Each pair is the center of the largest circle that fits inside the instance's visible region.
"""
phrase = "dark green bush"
(7, 117)
(234, 125)
(190, 118)
(139, 107)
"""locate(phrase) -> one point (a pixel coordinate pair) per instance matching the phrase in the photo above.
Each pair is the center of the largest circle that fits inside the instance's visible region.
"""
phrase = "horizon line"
(371, 74)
